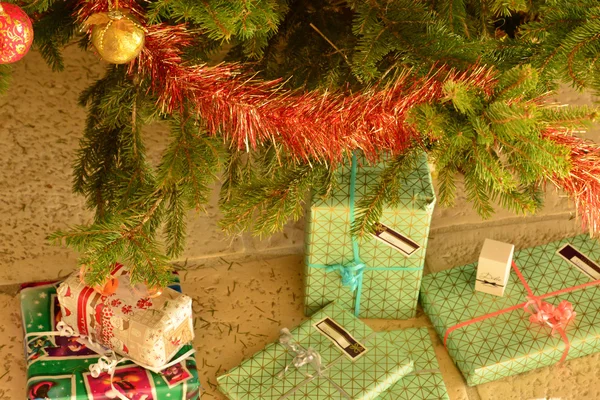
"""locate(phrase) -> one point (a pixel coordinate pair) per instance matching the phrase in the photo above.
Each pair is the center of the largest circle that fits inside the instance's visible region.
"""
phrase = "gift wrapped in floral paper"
(549, 311)
(425, 382)
(147, 330)
(58, 367)
(377, 276)
(333, 355)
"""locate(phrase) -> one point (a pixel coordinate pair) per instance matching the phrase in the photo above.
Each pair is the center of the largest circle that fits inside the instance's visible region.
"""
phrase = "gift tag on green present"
(395, 239)
(580, 260)
(341, 338)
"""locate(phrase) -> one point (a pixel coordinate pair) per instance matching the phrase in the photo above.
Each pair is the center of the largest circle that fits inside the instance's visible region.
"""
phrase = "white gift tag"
(341, 338)
(580, 260)
(395, 239)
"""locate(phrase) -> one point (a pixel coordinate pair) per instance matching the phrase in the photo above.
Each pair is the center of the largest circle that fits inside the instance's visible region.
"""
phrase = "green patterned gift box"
(425, 382)
(355, 363)
(369, 276)
(58, 366)
(502, 341)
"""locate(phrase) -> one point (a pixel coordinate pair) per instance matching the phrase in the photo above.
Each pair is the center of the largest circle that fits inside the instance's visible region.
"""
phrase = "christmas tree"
(304, 84)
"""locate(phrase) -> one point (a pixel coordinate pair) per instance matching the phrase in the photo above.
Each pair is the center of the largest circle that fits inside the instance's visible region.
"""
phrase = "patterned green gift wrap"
(425, 382)
(58, 366)
(356, 363)
(509, 343)
(384, 282)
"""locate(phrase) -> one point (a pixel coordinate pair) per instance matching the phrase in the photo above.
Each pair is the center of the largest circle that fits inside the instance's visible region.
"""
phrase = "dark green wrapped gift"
(58, 366)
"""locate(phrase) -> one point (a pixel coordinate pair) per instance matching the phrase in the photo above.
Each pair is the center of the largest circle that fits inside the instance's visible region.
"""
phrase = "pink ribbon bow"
(556, 317)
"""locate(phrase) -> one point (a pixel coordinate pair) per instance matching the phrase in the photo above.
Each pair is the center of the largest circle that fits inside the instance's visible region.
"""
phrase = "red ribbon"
(82, 302)
(557, 317)
(82, 317)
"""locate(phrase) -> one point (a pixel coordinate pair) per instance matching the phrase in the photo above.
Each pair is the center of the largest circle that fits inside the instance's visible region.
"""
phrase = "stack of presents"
(122, 343)
(511, 312)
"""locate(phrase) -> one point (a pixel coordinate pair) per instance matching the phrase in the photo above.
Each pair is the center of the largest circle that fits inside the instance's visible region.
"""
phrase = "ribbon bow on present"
(543, 313)
(351, 275)
(301, 356)
(352, 272)
(556, 317)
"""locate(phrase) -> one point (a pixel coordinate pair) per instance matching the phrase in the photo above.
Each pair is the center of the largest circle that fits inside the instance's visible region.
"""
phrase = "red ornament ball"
(16, 33)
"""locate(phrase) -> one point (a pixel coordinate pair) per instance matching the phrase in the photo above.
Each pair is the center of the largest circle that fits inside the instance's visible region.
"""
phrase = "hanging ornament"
(145, 291)
(107, 288)
(117, 36)
(16, 33)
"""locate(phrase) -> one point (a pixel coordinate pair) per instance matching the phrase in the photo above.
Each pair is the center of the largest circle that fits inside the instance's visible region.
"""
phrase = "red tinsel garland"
(248, 111)
(319, 125)
(583, 182)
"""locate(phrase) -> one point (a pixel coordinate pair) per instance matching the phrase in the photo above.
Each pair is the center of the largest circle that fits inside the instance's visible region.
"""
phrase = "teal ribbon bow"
(352, 272)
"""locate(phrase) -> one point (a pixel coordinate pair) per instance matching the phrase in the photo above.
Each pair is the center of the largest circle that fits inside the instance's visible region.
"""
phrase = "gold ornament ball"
(120, 39)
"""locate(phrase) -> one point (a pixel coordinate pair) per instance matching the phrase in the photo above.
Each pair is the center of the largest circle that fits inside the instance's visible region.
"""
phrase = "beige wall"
(41, 124)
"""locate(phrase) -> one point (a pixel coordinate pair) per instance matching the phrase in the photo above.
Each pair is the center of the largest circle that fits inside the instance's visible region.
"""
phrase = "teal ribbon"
(352, 272)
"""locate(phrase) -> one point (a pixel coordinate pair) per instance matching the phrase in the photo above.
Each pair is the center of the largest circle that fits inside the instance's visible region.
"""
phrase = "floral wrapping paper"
(425, 382)
(386, 293)
(509, 343)
(365, 378)
(147, 330)
(58, 367)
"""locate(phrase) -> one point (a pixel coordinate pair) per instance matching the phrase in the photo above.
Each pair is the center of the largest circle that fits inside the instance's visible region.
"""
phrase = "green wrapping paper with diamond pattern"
(264, 376)
(425, 382)
(508, 343)
(58, 366)
(391, 280)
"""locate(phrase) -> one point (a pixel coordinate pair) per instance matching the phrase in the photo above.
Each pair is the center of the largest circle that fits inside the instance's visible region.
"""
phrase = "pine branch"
(125, 237)
(478, 194)
(252, 22)
(175, 225)
(491, 127)
(447, 185)
(190, 162)
(235, 173)
(455, 14)
(54, 30)
(504, 8)
(265, 205)
(369, 209)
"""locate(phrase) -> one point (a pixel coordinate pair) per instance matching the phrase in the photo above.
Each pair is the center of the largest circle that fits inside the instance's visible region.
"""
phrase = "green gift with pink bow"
(550, 311)
(375, 277)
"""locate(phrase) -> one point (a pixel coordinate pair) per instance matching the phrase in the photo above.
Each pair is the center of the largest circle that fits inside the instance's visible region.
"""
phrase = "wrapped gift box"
(147, 330)
(58, 366)
(356, 363)
(508, 343)
(425, 382)
(391, 279)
